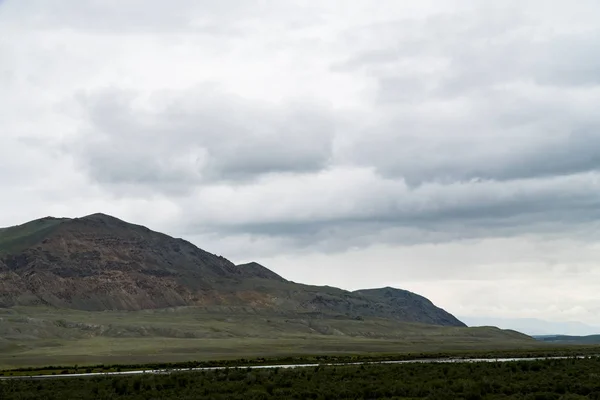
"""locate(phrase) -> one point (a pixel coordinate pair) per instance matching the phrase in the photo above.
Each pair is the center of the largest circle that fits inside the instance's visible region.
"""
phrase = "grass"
(345, 357)
(36, 336)
(18, 237)
(148, 350)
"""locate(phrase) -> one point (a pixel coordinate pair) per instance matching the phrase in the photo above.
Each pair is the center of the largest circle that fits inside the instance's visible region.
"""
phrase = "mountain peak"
(256, 270)
(101, 217)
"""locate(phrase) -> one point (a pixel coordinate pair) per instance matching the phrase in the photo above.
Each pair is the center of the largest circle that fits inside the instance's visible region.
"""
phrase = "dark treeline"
(545, 379)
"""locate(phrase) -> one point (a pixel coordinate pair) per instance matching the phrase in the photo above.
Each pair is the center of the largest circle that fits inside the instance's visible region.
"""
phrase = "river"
(168, 371)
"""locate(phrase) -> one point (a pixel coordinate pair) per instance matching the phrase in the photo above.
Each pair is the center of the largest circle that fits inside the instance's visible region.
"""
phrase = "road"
(169, 371)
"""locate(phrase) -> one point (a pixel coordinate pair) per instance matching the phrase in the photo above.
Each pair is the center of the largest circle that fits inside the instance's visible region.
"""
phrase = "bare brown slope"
(99, 262)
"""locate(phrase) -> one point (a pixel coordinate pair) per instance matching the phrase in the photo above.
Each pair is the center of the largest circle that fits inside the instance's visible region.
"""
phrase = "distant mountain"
(533, 326)
(99, 262)
(566, 339)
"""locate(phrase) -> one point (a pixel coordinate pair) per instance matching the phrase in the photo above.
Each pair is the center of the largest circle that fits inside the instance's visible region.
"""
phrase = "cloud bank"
(329, 141)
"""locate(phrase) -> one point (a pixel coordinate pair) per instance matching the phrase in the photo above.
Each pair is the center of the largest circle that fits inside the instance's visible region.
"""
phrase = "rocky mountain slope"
(99, 262)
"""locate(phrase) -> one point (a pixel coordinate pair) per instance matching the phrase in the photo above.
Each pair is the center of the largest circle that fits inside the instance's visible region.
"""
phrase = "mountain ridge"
(534, 326)
(99, 262)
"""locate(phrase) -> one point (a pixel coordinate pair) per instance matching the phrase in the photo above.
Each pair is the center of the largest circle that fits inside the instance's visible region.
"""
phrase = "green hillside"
(17, 238)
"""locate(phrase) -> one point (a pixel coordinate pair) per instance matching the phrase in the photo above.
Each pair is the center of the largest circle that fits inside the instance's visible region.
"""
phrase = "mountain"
(408, 306)
(569, 339)
(534, 326)
(99, 262)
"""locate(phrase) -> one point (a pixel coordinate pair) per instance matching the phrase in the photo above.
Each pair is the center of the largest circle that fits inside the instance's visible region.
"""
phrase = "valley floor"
(41, 337)
(543, 379)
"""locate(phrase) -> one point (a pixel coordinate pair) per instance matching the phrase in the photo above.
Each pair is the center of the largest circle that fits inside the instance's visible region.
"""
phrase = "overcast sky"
(446, 147)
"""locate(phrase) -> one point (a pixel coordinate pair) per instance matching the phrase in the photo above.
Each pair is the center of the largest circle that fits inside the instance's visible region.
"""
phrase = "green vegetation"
(19, 237)
(152, 350)
(547, 379)
(322, 359)
(39, 336)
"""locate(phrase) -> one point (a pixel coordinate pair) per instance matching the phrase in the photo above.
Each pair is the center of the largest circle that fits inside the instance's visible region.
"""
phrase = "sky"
(446, 147)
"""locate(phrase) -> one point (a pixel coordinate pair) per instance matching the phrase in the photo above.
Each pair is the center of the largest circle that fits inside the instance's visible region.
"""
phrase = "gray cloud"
(115, 17)
(203, 135)
(570, 60)
(443, 147)
(226, 18)
(468, 137)
(431, 152)
(395, 213)
(454, 53)
(489, 98)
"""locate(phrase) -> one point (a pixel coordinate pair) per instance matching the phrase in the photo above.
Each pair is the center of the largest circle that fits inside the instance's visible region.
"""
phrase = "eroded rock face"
(99, 262)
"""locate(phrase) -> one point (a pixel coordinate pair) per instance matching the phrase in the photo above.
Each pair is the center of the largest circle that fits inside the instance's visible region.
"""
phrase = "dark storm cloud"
(200, 136)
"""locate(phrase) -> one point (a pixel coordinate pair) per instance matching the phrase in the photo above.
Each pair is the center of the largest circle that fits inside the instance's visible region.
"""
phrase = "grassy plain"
(38, 336)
